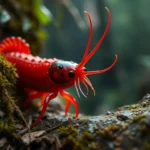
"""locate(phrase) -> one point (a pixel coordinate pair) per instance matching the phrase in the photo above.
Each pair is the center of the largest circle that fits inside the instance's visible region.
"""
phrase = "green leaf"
(42, 13)
(42, 34)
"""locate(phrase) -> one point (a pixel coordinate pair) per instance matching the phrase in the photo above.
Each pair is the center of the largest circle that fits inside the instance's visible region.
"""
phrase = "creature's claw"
(71, 99)
(67, 107)
(46, 102)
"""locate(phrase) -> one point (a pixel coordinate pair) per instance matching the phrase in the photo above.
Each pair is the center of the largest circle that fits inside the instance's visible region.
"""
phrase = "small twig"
(53, 128)
(57, 142)
(19, 111)
(25, 130)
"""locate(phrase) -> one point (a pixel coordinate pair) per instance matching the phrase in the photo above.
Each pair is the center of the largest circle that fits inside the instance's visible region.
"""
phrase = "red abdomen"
(33, 71)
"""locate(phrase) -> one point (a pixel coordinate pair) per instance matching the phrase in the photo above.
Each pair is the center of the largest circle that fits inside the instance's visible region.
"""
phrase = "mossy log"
(123, 129)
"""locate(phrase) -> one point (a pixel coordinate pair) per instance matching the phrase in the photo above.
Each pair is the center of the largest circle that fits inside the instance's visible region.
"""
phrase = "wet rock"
(125, 128)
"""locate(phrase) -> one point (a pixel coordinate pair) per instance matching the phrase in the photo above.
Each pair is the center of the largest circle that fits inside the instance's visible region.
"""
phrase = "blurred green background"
(60, 29)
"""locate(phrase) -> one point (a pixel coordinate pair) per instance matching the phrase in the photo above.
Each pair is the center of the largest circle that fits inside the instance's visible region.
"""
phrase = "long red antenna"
(102, 71)
(90, 38)
(86, 58)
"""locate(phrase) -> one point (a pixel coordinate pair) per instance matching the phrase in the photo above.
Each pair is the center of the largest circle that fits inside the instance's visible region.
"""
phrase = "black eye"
(71, 74)
(84, 69)
(60, 67)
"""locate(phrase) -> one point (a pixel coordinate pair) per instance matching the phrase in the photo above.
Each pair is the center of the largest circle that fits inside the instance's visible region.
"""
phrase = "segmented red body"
(48, 77)
(33, 71)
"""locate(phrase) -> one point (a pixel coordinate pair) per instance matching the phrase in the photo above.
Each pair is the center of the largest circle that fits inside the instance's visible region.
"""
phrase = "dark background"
(59, 28)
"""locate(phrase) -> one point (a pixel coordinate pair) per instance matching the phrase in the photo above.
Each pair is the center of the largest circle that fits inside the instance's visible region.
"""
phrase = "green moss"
(138, 118)
(8, 109)
(5, 127)
(134, 106)
(7, 131)
(8, 77)
(87, 135)
(66, 131)
(109, 131)
(81, 142)
(8, 73)
(143, 130)
(75, 141)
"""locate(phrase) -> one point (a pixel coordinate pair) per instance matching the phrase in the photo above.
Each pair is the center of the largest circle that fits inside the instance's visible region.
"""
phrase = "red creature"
(48, 77)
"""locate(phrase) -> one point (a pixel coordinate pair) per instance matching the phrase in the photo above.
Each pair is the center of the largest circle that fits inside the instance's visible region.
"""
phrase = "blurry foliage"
(130, 32)
(128, 37)
(68, 34)
(24, 18)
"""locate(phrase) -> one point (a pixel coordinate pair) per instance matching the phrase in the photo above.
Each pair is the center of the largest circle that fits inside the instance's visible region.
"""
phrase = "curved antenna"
(86, 59)
(90, 37)
(102, 71)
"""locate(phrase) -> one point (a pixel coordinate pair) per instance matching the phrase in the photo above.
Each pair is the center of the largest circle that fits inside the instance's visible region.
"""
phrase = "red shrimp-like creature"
(48, 77)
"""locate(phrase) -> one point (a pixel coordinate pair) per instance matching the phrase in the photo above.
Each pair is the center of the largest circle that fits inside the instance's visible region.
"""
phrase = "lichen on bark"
(8, 78)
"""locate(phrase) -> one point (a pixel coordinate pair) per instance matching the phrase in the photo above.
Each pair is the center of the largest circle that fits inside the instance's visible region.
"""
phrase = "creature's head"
(69, 73)
(63, 72)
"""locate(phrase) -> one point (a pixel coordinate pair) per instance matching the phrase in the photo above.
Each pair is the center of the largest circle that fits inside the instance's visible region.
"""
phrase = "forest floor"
(126, 128)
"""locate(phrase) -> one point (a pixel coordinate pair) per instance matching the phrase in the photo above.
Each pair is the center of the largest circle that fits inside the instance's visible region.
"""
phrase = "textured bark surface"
(124, 128)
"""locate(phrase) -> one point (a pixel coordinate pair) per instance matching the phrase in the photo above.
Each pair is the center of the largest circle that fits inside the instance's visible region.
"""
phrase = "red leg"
(46, 102)
(32, 97)
(70, 98)
(43, 99)
(67, 107)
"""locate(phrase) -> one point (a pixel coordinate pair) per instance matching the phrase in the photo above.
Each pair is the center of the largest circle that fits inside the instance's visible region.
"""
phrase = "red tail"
(14, 44)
